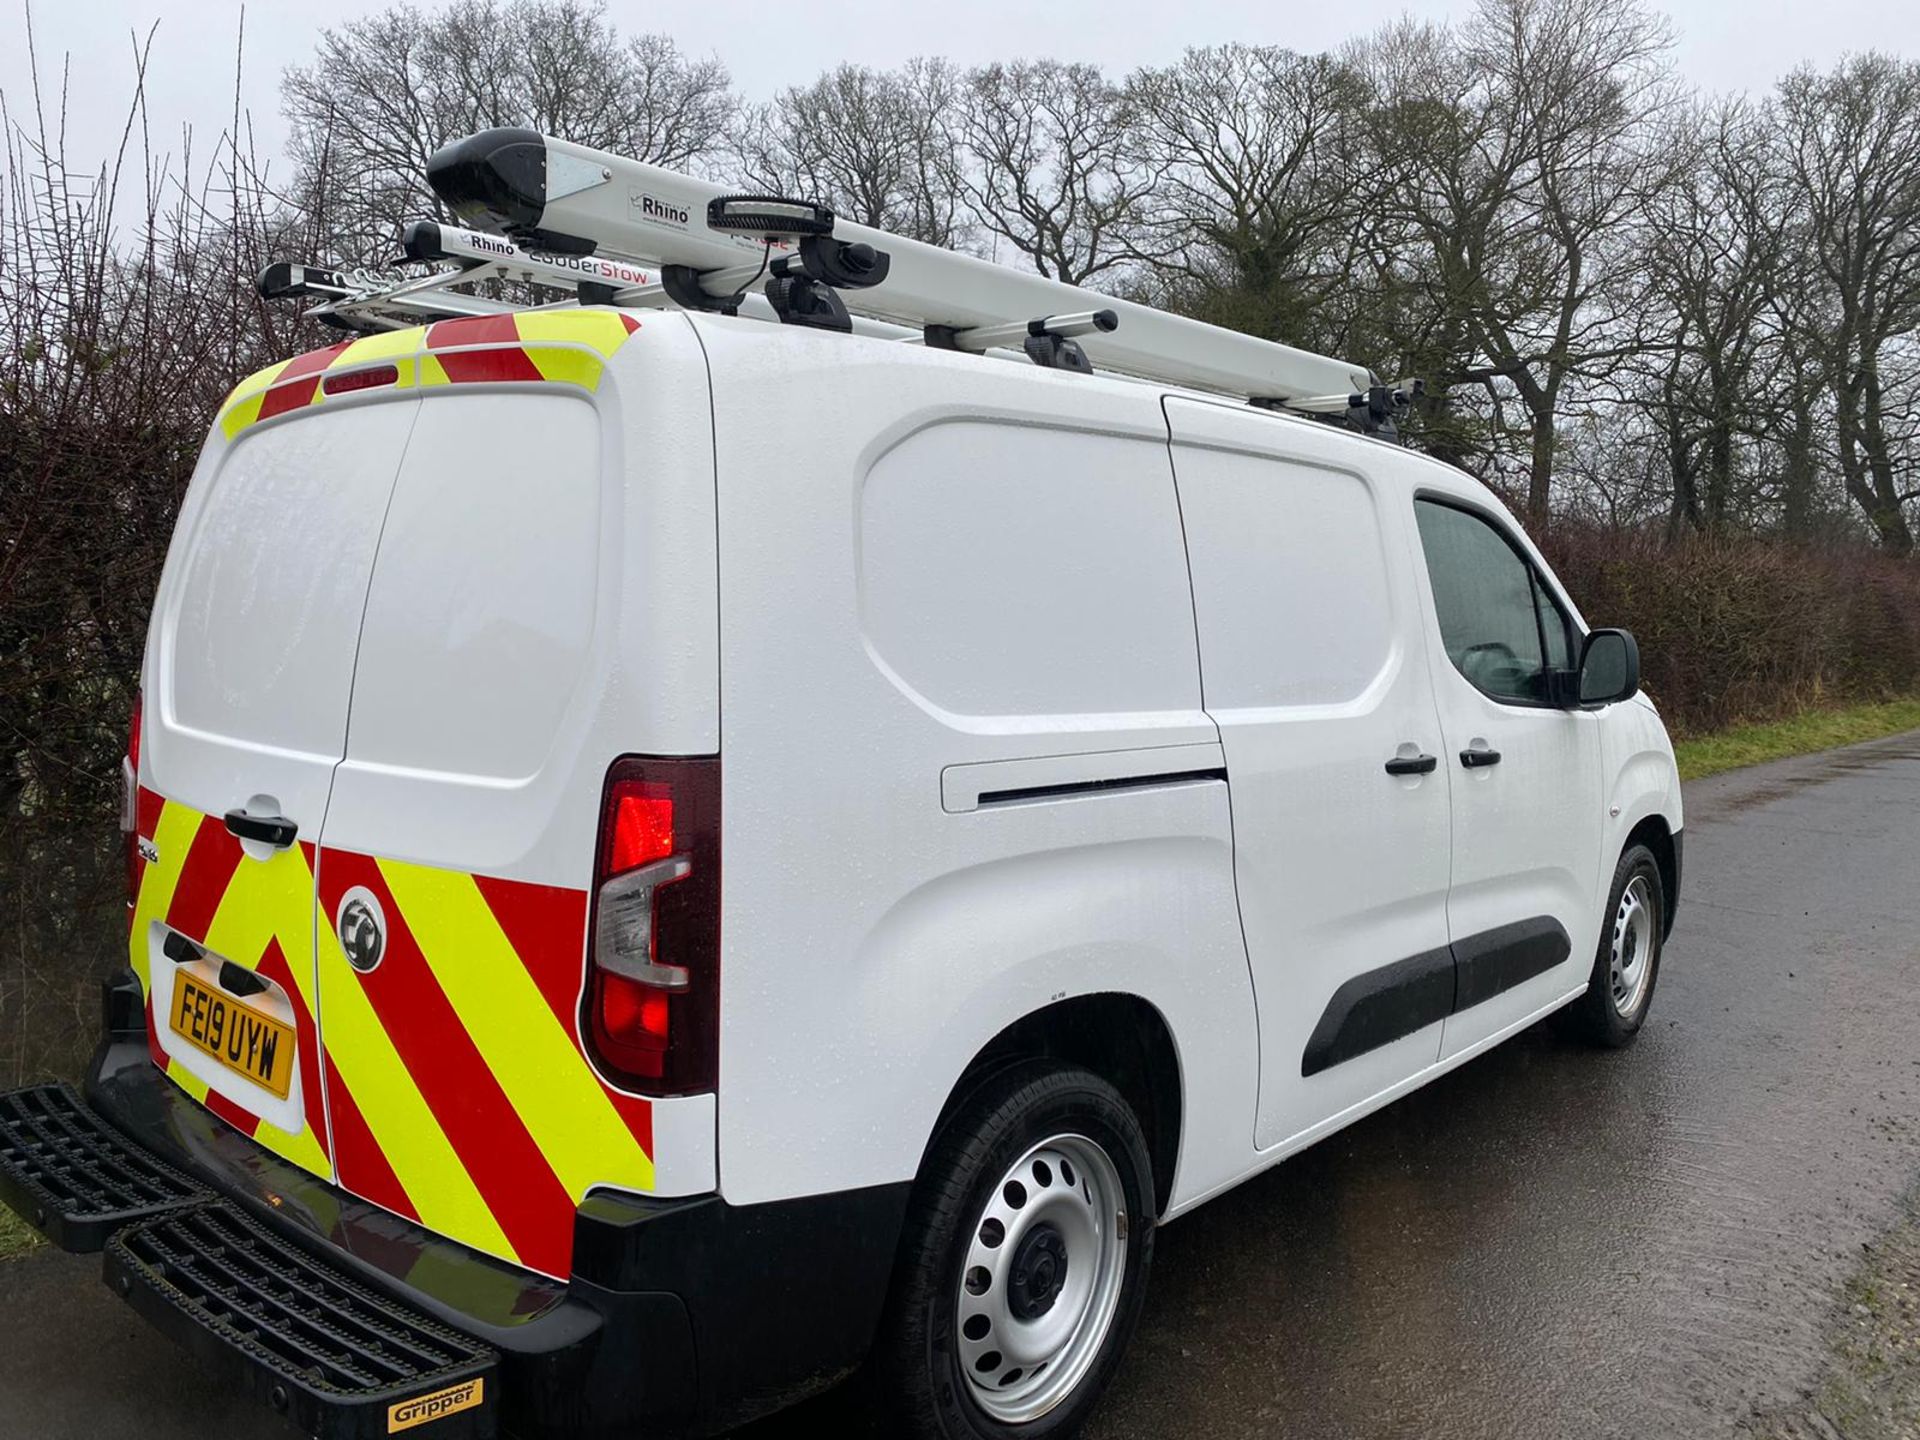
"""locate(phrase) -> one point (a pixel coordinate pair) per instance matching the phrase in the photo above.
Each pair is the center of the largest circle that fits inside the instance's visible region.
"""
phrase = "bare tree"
(1523, 142)
(1851, 143)
(383, 93)
(1255, 167)
(1052, 172)
(1711, 244)
(127, 311)
(879, 146)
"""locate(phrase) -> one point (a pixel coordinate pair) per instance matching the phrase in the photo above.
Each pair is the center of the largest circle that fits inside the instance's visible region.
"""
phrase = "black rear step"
(73, 1177)
(339, 1361)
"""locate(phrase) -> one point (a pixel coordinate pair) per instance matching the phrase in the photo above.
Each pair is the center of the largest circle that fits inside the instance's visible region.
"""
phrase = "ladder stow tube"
(554, 196)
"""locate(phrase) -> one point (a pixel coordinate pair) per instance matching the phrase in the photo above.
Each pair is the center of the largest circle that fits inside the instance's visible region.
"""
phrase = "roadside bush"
(1740, 628)
(116, 344)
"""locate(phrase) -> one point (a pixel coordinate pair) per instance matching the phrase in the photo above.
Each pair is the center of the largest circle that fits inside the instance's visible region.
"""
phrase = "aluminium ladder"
(618, 231)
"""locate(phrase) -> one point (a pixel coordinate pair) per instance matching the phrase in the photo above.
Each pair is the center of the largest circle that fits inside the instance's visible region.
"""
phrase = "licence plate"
(238, 1036)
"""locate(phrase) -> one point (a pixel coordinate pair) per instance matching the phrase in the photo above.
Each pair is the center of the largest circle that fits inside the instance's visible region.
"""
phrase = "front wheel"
(1024, 1261)
(1627, 964)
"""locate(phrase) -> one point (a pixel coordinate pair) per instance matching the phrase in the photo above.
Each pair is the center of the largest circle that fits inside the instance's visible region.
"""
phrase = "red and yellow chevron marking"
(462, 1052)
(455, 1079)
(253, 912)
(556, 347)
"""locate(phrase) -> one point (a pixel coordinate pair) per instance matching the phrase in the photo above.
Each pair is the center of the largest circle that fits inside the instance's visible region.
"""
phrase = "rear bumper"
(681, 1316)
(567, 1366)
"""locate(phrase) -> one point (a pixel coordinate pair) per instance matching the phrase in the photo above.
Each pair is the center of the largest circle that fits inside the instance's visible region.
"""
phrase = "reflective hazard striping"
(253, 914)
(396, 1114)
(507, 1167)
(542, 923)
(358, 1154)
(453, 1088)
(528, 1126)
(569, 347)
(529, 1053)
(172, 830)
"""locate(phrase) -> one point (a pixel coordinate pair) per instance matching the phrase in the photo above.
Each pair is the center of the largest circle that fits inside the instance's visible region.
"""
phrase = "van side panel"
(928, 568)
(1315, 669)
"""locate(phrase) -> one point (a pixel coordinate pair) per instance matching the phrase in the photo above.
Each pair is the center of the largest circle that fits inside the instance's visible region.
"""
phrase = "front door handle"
(1475, 759)
(1412, 765)
(274, 830)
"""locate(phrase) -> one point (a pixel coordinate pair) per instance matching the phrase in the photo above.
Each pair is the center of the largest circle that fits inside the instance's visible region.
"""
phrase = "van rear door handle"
(1474, 759)
(274, 830)
(1412, 765)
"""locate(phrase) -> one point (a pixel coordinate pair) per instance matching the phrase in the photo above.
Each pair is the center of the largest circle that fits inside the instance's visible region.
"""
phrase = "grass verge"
(1801, 735)
(16, 1238)
(1869, 1387)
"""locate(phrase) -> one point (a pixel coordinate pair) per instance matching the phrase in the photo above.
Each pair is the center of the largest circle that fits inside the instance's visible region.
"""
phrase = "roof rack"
(617, 231)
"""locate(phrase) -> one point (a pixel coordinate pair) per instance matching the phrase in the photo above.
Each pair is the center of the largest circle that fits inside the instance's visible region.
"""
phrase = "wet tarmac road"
(1549, 1242)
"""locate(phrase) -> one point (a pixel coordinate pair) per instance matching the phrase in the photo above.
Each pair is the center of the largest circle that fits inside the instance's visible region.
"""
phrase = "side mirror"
(1609, 668)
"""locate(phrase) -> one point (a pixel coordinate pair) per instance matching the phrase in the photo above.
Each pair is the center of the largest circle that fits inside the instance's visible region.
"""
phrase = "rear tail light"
(130, 802)
(653, 965)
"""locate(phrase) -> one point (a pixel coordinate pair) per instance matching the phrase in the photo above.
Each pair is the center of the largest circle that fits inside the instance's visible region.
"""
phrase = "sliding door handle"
(1412, 765)
(1475, 759)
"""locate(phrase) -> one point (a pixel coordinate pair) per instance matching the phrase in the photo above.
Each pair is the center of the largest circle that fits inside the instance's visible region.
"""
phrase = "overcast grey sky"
(1722, 44)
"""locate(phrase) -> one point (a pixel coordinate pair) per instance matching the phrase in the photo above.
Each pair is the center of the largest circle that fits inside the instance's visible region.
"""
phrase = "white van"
(675, 859)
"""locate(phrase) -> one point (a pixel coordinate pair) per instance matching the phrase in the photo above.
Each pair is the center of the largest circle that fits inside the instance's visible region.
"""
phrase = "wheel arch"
(1653, 832)
(1122, 1038)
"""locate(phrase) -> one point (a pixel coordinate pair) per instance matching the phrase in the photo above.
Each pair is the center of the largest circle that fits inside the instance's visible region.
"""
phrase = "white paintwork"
(1313, 651)
(602, 643)
(985, 593)
(251, 648)
(250, 653)
(1527, 831)
(881, 581)
(874, 941)
(486, 583)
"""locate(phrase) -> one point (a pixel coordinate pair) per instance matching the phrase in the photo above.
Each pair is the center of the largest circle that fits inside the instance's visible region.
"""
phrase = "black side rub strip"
(1499, 959)
(1392, 1002)
(1379, 1007)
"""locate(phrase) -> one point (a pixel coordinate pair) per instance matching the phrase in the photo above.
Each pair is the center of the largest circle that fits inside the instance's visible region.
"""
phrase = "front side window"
(1501, 628)
(1555, 629)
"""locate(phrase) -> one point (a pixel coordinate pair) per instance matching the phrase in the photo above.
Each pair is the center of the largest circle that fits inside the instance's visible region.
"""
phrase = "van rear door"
(249, 672)
(459, 843)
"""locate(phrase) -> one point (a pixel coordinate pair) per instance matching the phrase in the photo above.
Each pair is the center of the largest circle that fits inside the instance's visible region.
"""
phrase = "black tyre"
(1024, 1262)
(1627, 964)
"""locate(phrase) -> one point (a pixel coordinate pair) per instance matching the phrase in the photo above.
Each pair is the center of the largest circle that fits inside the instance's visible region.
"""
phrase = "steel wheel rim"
(1063, 1198)
(1630, 965)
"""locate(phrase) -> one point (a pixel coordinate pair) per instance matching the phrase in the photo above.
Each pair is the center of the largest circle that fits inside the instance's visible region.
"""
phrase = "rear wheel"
(1024, 1261)
(1627, 964)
